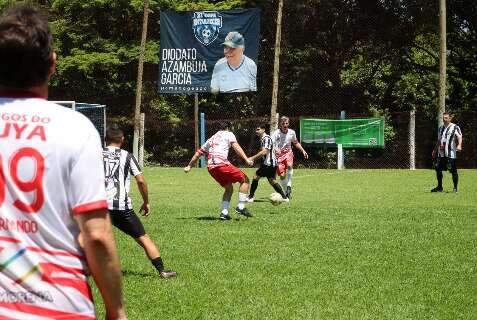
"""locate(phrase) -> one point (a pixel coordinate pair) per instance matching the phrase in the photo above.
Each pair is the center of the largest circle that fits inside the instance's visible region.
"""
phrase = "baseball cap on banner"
(234, 40)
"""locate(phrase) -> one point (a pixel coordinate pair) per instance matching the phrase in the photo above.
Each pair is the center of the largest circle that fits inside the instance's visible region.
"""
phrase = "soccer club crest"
(206, 26)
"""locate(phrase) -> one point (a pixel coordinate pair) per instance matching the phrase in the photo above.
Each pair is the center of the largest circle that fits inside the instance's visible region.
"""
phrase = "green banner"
(351, 133)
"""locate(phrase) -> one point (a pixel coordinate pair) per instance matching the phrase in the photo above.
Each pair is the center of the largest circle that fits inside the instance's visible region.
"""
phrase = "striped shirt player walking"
(119, 165)
(449, 142)
(268, 165)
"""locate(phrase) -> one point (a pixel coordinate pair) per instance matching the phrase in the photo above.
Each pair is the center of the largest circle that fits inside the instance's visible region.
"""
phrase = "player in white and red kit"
(283, 138)
(54, 223)
(226, 174)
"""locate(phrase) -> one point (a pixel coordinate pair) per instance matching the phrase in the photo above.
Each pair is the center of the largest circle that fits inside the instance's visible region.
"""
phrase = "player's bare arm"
(192, 161)
(100, 249)
(259, 155)
(142, 186)
(239, 151)
(299, 147)
(459, 143)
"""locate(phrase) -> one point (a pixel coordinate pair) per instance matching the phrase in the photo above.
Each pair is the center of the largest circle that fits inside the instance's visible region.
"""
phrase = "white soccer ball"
(276, 199)
(206, 33)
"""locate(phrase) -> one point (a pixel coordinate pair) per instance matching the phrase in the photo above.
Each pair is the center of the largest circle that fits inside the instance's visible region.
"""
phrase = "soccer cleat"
(455, 190)
(288, 192)
(224, 217)
(243, 212)
(250, 200)
(165, 274)
(286, 200)
(436, 189)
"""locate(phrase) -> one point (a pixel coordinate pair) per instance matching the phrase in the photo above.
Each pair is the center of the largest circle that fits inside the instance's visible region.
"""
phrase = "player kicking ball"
(219, 167)
(268, 165)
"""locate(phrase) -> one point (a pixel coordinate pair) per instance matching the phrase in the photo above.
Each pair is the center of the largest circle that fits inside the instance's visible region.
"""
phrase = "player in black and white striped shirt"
(449, 142)
(119, 165)
(268, 165)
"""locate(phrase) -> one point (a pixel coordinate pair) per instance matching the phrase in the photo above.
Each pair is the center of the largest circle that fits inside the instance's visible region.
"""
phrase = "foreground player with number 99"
(52, 196)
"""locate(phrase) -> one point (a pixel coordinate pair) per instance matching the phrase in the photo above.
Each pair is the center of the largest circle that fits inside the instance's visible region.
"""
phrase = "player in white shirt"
(54, 223)
(119, 166)
(226, 174)
(235, 72)
(449, 142)
(283, 139)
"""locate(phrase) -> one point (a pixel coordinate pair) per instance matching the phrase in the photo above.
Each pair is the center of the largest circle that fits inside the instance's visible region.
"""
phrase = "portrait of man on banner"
(209, 51)
(235, 72)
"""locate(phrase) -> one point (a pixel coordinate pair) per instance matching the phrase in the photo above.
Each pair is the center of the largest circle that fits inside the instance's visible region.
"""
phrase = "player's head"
(446, 117)
(260, 129)
(27, 58)
(284, 122)
(234, 45)
(114, 135)
(225, 125)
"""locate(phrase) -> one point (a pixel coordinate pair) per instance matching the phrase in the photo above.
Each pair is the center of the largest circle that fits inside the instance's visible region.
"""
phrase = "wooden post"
(443, 61)
(141, 140)
(140, 68)
(276, 67)
(196, 124)
(412, 139)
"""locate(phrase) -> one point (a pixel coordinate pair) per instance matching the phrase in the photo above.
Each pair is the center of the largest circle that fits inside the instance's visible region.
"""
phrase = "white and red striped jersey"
(283, 141)
(50, 170)
(217, 148)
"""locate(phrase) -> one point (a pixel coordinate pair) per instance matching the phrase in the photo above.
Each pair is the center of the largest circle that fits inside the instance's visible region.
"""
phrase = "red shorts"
(227, 174)
(285, 160)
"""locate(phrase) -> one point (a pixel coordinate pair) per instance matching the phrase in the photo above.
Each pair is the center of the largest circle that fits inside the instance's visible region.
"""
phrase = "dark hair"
(262, 126)
(114, 134)
(447, 113)
(224, 125)
(25, 48)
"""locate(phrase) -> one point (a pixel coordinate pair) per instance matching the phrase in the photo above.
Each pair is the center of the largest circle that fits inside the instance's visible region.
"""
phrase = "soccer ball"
(276, 199)
(206, 33)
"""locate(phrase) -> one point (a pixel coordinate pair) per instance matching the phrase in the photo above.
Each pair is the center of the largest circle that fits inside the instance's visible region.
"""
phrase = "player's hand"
(250, 162)
(145, 208)
(305, 155)
(187, 169)
(459, 148)
(434, 153)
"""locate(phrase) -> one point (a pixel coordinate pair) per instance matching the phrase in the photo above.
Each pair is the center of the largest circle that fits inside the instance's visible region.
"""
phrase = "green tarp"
(351, 133)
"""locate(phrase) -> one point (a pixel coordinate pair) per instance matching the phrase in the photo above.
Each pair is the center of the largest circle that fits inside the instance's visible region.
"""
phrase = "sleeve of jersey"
(135, 168)
(87, 191)
(267, 143)
(232, 138)
(294, 139)
(458, 132)
(204, 148)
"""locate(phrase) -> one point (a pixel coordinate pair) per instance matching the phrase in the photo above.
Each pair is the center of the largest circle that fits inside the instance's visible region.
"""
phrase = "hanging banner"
(351, 133)
(209, 51)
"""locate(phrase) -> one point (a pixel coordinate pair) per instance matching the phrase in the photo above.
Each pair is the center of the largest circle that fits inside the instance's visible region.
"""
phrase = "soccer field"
(353, 244)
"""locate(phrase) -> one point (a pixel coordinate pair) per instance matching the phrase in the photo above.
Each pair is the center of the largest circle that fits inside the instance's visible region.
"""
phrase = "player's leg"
(276, 186)
(289, 164)
(253, 186)
(281, 171)
(455, 175)
(128, 222)
(440, 166)
(243, 189)
(228, 191)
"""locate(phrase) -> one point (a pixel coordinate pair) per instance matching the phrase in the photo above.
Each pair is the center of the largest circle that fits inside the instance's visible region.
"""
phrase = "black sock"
(455, 179)
(279, 189)
(158, 264)
(253, 188)
(439, 179)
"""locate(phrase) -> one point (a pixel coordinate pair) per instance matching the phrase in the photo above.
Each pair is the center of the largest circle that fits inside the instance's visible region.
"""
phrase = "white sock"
(242, 200)
(284, 183)
(289, 177)
(225, 207)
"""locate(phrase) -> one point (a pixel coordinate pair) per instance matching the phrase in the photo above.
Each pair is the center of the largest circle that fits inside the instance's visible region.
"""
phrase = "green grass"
(353, 244)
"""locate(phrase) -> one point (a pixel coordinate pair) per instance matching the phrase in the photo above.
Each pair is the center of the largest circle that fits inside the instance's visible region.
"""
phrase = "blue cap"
(234, 40)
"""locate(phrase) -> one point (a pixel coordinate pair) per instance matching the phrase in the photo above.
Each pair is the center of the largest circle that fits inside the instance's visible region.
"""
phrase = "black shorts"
(445, 163)
(128, 222)
(267, 171)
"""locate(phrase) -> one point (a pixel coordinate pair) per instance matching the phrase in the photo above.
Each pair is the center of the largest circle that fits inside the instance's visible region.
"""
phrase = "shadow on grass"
(132, 273)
